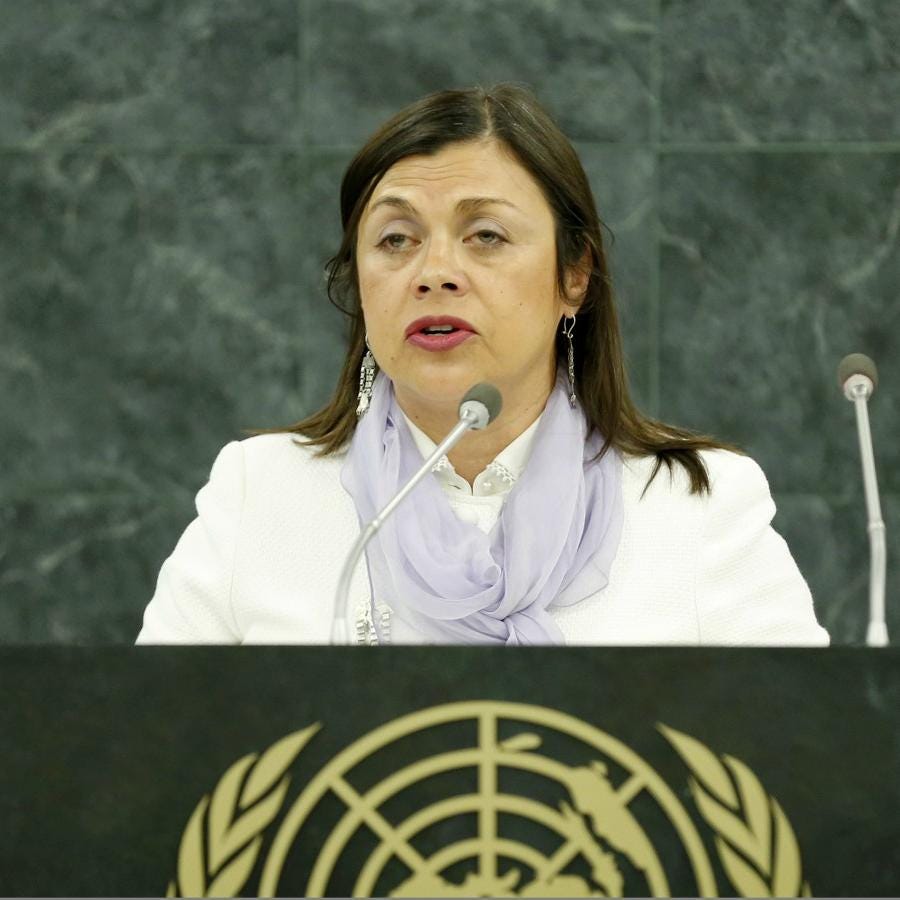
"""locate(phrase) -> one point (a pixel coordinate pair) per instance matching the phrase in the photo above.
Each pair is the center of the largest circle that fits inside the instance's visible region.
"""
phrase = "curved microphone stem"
(876, 634)
(341, 628)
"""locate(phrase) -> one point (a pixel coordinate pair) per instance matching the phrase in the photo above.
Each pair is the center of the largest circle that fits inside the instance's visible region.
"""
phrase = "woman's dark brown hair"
(512, 115)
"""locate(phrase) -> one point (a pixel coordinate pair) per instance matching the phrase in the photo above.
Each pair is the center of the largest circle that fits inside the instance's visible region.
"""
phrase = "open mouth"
(438, 334)
(432, 326)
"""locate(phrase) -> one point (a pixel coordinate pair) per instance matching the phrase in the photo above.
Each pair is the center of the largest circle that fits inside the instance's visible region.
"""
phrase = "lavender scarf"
(554, 542)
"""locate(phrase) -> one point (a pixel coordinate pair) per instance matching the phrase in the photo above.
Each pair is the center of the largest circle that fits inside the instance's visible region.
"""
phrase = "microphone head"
(488, 397)
(857, 364)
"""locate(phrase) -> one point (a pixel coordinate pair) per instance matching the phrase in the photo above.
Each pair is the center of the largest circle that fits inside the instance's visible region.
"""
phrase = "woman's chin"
(445, 388)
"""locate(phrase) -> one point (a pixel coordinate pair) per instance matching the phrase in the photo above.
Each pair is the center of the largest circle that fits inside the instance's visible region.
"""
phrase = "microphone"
(478, 408)
(858, 378)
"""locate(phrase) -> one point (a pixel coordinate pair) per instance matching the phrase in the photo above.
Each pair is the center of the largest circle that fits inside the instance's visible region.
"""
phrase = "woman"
(472, 252)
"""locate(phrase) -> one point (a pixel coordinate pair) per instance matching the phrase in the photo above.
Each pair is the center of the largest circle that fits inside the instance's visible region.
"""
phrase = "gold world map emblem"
(485, 799)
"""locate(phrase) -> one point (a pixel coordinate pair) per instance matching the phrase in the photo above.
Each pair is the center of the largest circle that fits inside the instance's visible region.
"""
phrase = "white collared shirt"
(481, 502)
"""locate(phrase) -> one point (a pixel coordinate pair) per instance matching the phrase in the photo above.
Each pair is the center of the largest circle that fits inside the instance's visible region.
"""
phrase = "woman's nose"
(440, 271)
(431, 284)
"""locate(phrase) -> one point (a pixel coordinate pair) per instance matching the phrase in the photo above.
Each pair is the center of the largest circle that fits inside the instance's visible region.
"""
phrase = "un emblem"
(485, 799)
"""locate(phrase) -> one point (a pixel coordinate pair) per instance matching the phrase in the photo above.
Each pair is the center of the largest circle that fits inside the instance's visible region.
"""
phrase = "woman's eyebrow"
(466, 205)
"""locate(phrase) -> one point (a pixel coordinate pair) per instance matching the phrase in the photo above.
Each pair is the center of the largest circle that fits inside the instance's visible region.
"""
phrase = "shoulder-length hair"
(510, 114)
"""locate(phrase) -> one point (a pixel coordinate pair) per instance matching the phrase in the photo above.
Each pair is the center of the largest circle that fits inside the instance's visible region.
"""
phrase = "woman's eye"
(485, 238)
(487, 231)
(392, 242)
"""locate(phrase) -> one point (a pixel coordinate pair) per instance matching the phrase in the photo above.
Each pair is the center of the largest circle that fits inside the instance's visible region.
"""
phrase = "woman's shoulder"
(731, 476)
(275, 462)
(287, 450)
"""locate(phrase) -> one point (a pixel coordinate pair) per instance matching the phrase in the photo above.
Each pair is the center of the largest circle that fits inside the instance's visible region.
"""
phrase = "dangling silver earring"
(568, 330)
(366, 379)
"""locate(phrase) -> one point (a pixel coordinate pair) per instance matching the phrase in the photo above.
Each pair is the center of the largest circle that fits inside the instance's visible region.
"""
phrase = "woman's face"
(465, 239)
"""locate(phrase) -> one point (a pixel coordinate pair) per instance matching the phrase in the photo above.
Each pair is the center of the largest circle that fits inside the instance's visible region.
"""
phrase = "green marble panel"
(623, 181)
(149, 311)
(588, 61)
(774, 266)
(827, 536)
(322, 211)
(751, 72)
(149, 73)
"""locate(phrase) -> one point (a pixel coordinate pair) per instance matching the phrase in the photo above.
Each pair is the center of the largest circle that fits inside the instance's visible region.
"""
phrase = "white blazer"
(260, 563)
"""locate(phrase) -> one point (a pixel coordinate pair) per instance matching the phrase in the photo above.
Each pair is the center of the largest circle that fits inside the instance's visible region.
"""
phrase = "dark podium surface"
(449, 771)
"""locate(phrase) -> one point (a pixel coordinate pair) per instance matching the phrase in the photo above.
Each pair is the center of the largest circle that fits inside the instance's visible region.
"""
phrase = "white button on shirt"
(481, 502)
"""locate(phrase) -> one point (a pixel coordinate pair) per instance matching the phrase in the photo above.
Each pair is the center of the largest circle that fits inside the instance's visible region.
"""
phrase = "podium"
(423, 771)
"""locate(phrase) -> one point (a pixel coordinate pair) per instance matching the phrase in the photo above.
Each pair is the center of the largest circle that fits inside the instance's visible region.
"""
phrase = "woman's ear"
(577, 278)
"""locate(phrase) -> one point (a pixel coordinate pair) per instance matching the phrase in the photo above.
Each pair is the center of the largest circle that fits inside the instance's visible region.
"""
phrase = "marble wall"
(168, 196)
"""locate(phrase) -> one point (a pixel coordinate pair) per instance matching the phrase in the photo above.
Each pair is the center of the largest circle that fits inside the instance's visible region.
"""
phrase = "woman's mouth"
(439, 341)
(438, 333)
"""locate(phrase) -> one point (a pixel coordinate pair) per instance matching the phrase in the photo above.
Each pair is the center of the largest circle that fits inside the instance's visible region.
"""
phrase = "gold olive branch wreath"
(216, 860)
(753, 837)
